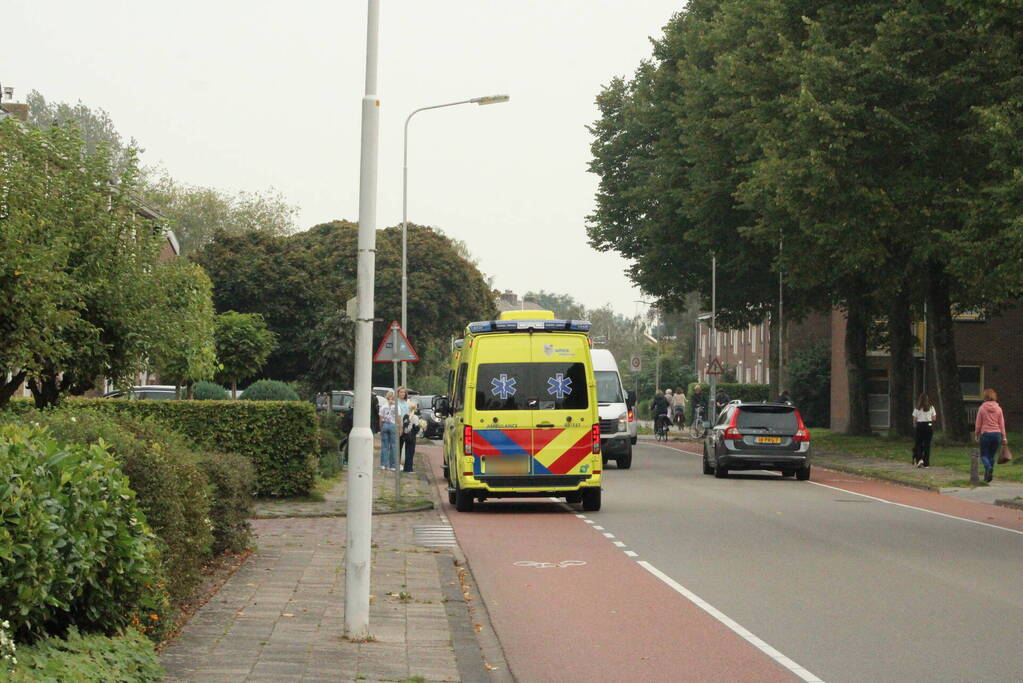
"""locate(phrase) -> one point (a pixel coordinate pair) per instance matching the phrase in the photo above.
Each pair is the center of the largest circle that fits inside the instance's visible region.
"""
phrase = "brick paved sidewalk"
(280, 616)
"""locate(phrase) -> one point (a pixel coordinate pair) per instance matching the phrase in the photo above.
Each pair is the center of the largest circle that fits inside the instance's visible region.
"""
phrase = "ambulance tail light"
(595, 438)
(467, 440)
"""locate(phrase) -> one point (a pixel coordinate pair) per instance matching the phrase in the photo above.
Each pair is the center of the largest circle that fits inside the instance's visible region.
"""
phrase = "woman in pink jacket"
(990, 430)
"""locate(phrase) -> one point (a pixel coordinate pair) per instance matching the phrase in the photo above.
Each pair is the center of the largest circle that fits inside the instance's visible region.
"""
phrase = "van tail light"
(802, 433)
(467, 440)
(731, 431)
(595, 438)
(632, 416)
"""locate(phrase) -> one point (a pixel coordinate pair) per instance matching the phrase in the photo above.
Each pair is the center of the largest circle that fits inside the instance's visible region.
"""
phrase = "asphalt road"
(750, 578)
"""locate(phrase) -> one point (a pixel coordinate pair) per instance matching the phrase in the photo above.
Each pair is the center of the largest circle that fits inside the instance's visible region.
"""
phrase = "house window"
(971, 380)
(878, 398)
(753, 336)
(749, 374)
(735, 341)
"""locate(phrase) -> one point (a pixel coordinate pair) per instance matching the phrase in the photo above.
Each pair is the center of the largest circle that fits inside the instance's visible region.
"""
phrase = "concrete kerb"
(314, 515)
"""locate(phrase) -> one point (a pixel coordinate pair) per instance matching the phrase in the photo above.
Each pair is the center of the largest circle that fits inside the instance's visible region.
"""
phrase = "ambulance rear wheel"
(463, 500)
(451, 496)
(591, 500)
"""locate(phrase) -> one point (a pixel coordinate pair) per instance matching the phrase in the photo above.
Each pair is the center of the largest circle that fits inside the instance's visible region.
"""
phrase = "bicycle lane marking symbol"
(549, 565)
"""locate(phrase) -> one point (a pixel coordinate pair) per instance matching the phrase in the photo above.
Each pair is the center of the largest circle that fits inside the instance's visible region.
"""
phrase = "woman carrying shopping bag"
(990, 431)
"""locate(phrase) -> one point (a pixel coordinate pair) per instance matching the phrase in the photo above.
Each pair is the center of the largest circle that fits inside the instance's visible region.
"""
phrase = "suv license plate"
(768, 439)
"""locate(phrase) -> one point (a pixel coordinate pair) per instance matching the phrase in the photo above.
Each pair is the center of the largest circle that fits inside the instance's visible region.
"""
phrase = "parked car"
(340, 401)
(758, 436)
(434, 424)
(157, 392)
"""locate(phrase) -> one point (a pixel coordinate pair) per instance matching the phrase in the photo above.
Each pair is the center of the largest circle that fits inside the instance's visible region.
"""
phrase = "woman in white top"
(388, 435)
(923, 417)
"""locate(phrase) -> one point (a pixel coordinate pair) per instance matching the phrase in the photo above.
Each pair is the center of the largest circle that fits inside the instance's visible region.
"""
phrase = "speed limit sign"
(635, 363)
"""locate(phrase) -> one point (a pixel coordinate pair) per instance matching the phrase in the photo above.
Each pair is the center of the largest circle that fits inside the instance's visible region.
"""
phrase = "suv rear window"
(531, 386)
(780, 419)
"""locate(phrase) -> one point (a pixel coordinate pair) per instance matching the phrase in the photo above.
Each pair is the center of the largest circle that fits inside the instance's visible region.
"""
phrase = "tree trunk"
(234, 389)
(951, 412)
(45, 390)
(856, 366)
(7, 389)
(900, 342)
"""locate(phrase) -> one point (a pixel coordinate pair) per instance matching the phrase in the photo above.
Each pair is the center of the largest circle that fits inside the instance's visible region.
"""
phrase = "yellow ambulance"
(521, 414)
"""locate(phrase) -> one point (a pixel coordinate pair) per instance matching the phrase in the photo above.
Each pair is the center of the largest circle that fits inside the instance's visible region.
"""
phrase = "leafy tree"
(95, 126)
(562, 305)
(184, 351)
(243, 343)
(196, 214)
(35, 297)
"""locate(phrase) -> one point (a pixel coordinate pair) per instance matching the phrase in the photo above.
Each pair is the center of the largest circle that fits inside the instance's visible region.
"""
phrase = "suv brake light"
(802, 434)
(467, 440)
(595, 438)
(731, 431)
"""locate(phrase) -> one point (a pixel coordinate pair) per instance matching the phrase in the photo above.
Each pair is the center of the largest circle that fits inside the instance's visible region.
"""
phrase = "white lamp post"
(488, 99)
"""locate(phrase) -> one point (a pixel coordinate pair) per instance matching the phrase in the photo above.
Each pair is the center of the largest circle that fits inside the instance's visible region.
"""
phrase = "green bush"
(165, 474)
(328, 440)
(209, 391)
(269, 390)
(74, 546)
(232, 480)
(120, 659)
(278, 437)
(809, 372)
(735, 390)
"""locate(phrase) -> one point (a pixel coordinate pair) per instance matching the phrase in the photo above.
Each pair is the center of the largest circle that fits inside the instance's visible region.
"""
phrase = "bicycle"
(661, 423)
(697, 429)
(679, 418)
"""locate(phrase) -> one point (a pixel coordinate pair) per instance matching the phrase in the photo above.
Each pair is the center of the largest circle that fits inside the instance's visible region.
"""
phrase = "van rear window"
(531, 386)
(609, 387)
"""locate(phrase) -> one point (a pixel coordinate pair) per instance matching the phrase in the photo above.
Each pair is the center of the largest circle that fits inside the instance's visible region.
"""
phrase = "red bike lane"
(568, 605)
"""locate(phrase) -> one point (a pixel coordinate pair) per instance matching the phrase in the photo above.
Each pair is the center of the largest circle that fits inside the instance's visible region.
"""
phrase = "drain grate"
(434, 536)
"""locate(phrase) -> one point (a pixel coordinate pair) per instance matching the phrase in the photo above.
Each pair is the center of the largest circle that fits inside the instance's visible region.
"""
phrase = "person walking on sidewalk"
(388, 434)
(411, 425)
(990, 430)
(923, 417)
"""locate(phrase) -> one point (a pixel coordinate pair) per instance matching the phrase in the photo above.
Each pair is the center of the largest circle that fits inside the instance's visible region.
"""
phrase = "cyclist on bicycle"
(678, 408)
(659, 408)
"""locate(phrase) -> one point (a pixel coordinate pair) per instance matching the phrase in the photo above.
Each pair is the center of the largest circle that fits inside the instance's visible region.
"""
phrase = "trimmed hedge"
(74, 546)
(231, 478)
(120, 659)
(735, 390)
(278, 437)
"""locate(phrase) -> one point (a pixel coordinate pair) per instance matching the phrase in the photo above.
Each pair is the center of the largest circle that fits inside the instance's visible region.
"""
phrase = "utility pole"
(358, 560)
(711, 417)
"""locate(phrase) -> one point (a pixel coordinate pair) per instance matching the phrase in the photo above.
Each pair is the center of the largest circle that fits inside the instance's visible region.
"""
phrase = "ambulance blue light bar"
(529, 326)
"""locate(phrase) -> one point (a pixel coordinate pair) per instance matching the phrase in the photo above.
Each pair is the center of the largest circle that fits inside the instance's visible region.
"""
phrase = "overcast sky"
(252, 94)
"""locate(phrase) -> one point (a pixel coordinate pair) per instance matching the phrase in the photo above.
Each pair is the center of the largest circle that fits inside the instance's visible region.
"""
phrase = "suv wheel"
(803, 473)
(721, 472)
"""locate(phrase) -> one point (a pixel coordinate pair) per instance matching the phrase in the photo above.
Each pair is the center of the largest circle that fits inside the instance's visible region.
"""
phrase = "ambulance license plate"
(506, 466)
(768, 439)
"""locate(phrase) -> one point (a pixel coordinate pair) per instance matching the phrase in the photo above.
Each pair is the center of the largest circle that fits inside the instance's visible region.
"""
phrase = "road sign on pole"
(636, 363)
(395, 347)
(715, 367)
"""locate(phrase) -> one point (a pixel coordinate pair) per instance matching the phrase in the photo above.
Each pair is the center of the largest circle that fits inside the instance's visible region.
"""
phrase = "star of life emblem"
(503, 386)
(559, 385)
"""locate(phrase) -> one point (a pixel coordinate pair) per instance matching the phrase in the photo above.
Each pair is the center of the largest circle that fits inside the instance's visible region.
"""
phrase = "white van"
(617, 419)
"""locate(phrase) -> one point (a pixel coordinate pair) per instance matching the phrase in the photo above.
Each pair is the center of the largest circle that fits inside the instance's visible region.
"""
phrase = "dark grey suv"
(758, 436)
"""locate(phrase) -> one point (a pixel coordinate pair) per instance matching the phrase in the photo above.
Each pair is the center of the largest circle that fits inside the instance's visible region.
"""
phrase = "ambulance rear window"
(531, 386)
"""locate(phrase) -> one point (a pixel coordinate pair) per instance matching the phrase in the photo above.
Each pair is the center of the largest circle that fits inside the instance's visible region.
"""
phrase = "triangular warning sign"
(715, 367)
(395, 347)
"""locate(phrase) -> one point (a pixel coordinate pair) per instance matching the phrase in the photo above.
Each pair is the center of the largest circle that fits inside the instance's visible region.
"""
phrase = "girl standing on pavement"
(388, 460)
(923, 417)
(410, 428)
(990, 429)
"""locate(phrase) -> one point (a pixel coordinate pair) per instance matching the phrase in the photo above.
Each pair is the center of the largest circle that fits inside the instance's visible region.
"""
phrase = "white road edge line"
(619, 544)
(913, 507)
(880, 500)
(631, 553)
(607, 535)
(731, 624)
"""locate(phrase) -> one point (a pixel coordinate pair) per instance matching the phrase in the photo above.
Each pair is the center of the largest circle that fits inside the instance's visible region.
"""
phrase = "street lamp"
(486, 99)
